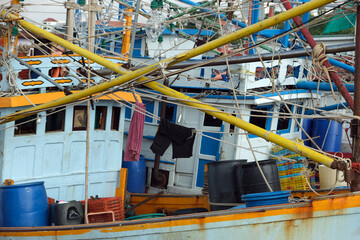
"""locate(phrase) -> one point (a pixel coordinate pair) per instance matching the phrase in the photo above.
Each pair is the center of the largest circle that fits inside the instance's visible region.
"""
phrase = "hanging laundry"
(182, 139)
(136, 131)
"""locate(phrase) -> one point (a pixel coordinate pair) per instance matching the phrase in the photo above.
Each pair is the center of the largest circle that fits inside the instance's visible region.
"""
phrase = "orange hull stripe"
(301, 212)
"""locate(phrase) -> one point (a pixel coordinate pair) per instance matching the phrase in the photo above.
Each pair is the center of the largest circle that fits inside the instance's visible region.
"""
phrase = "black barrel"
(222, 184)
(250, 180)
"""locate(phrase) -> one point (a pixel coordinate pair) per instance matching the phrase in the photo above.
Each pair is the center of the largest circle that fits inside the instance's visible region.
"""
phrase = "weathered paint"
(328, 217)
(168, 203)
(58, 157)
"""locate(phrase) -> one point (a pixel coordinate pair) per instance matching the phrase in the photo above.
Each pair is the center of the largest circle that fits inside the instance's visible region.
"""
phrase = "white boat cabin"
(51, 146)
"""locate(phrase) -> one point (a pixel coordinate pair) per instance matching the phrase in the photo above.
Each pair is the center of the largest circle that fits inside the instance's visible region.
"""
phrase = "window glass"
(115, 118)
(80, 118)
(259, 117)
(170, 111)
(100, 117)
(284, 118)
(212, 121)
(26, 125)
(298, 112)
(55, 120)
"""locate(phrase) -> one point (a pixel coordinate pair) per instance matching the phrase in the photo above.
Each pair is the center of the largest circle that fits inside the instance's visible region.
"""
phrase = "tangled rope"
(24, 48)
(319, 57)
(12, 9)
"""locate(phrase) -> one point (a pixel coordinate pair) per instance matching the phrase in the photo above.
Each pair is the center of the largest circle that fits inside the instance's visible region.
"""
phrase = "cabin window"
(232, 127)
(284, 118)
(100, 117)
(292, 71)
(26, 125)
(260, 72)
(259, 117)
(80, 118)
(212, 121)
(305, 73)
(34, 74)
(58, 72)
(115, 118)
(24, 74)
(170, 112)
(298, 113)
(55, 120)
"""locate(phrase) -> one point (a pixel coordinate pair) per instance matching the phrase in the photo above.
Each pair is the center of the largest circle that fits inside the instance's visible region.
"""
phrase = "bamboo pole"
(269, 136)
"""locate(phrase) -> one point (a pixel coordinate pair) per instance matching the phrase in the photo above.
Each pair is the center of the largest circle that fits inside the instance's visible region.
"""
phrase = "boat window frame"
(285, 130)
(78, 121)
(103, 120)
(269, 109)
(55, 115)
(297, 127)
(26, 120)
(173, 114)
(214, 120)
(115, 122)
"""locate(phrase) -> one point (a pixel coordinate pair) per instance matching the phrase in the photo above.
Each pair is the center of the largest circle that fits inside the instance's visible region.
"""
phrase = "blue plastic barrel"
(24, 205)
(136, 175)
(307, 126)
(327, 135)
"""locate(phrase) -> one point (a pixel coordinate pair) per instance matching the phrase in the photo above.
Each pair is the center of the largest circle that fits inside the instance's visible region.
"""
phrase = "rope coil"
(319, 57)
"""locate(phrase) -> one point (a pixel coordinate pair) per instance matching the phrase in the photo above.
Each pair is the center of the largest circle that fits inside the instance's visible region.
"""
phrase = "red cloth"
(136, 131)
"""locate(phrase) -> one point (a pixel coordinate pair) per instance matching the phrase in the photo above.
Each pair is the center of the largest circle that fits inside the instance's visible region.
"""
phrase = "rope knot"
(319, 55)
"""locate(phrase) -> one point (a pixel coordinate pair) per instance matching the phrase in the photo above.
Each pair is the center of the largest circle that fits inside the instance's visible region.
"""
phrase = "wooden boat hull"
(329, 217)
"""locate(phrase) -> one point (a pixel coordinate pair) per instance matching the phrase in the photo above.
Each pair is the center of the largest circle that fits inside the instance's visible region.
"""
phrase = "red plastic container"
(104, 206)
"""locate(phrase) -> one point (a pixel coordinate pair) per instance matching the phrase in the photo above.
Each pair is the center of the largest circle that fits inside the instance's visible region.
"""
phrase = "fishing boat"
(54, 147)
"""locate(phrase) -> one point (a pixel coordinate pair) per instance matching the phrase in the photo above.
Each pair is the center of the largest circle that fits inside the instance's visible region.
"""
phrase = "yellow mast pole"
(127, 76)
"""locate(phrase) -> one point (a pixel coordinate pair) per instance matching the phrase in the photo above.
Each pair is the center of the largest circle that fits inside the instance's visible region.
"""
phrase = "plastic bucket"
(24, 205)
(327, 135)
(250, 180)
(327, 178)
(222, 184)
(136, 175)
(266, 198)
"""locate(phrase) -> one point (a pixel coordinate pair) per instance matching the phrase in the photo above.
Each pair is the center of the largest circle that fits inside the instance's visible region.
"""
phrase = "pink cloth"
(136, 131)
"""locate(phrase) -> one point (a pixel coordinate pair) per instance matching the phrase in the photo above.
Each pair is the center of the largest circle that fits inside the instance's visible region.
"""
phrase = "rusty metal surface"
(326, 217)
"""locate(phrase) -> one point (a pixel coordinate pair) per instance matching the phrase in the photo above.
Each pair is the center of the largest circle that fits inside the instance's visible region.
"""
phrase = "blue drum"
(24, 205)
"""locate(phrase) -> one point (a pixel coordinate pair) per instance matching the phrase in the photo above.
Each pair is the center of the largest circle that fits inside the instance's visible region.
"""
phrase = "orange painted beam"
(168, 203)
(126, 37)
(20, 101)
(121, 190)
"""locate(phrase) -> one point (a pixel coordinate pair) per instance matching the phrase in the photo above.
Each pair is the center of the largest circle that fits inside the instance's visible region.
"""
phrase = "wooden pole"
(70, 15)
(355, 130)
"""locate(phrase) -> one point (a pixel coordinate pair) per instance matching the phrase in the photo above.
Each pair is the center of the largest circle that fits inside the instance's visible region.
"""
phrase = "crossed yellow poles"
(138, 75)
